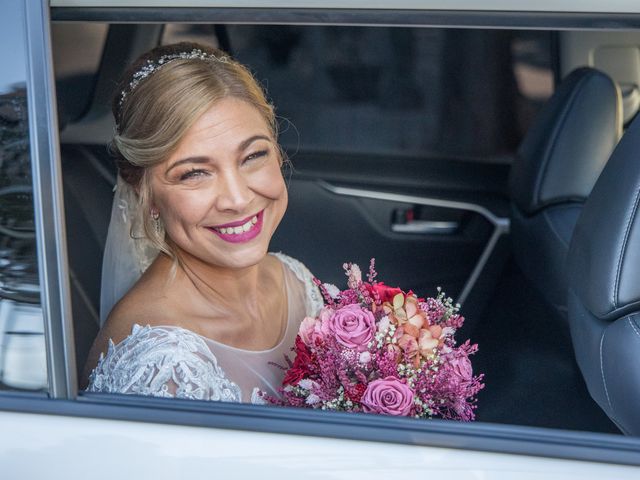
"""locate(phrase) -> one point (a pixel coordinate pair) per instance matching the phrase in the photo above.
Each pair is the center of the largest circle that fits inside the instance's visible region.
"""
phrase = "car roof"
(549, 6)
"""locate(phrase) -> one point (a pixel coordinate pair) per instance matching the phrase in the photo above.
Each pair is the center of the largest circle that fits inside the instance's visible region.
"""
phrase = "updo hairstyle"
(154, 116)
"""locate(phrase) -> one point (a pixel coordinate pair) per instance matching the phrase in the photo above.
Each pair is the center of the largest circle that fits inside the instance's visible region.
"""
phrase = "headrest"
(569, 143)
(604, 255)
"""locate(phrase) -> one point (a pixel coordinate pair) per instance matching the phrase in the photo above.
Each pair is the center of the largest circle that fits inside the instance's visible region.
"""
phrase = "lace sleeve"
(163, 362)
(314, 301)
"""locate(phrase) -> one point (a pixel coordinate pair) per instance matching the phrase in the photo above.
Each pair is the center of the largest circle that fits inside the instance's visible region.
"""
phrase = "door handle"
(426, 227)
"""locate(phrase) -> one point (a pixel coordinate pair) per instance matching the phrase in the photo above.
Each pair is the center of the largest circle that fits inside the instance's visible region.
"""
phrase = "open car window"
(390, 130)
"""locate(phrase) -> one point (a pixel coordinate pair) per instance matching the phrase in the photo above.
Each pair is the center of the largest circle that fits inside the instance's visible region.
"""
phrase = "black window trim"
(353, 17)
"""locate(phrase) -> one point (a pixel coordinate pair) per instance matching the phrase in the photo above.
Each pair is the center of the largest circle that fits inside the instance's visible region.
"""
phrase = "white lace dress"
(169, 361)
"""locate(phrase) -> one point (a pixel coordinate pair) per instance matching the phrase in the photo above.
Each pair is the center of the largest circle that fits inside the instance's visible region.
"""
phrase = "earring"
(155, 215)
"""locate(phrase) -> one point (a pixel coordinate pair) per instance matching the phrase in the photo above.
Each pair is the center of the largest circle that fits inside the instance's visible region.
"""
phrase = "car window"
(22, 342)
(363, 92)
(388, 90)
(400, 91)
(204, 34)
(76, 54)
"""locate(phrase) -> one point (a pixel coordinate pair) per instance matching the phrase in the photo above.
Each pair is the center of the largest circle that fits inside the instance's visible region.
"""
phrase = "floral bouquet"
(373, 348)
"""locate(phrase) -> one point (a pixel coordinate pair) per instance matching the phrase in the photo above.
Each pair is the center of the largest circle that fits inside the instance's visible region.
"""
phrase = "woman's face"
(221, 194)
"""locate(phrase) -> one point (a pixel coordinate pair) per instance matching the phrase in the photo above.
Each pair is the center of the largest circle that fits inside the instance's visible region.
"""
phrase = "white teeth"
(241, 229)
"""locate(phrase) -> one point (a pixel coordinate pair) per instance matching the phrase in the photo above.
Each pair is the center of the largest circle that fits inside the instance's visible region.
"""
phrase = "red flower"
(384, 292)
(303, 355)
(293, 376)
(355, 392)
(300, 367)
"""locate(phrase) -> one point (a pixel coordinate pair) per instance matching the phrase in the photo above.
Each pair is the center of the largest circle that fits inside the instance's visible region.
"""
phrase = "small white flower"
(312, 399)
(306, 384)
(383, 324)
(365, 357)
(331, 289)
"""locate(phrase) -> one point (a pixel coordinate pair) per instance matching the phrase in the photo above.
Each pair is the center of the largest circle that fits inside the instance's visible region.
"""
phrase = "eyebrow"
(199, 160)
(187, 160)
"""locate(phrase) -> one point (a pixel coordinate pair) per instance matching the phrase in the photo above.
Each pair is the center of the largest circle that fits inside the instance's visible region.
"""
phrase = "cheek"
(269, 183)
(182, 207)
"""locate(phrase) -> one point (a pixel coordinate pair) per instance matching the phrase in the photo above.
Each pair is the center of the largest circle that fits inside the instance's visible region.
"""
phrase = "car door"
(58, 432)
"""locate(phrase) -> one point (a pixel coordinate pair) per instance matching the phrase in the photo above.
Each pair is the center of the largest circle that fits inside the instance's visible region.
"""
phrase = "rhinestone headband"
(152, 66)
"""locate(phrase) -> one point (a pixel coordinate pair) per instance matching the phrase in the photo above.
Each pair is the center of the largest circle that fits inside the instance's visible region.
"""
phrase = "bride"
(199, 196)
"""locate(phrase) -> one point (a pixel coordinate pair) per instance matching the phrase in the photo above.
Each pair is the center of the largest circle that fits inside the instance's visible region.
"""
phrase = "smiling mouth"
(242, 231)
(245, 227)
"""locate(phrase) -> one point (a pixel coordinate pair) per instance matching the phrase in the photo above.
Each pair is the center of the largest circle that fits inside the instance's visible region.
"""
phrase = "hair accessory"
(154, 65)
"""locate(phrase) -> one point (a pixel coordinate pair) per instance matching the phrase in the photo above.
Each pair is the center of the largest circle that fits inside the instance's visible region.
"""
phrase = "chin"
(239, 260)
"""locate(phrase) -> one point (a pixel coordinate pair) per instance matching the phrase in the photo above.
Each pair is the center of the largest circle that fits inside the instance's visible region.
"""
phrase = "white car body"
(59, 447)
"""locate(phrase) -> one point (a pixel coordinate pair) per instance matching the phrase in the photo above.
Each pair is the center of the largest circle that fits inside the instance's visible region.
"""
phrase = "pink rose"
(324, 316)
(353, 326)
(390, 396)
(310, 330)
(461, 366)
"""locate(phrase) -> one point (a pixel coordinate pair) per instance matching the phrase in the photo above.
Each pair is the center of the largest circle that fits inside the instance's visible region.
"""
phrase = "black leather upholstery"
(556, 167)
(604, 286)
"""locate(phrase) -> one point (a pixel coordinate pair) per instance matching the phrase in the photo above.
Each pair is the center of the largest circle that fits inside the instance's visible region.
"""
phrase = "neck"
(221, 285)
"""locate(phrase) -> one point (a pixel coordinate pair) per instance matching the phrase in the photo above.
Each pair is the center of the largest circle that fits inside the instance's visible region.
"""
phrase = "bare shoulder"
(145, 304)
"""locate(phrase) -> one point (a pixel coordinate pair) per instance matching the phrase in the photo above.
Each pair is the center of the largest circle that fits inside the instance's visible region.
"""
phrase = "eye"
(255, 155)
(193, 173)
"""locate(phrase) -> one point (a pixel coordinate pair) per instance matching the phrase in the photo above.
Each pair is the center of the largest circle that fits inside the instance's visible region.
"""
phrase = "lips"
(240, 231)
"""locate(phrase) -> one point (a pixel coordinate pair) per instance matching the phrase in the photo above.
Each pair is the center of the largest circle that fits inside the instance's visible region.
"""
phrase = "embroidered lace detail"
(163, 362)
(313, 297)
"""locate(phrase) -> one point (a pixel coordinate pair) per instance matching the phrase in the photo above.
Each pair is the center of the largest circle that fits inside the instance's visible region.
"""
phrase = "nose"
(234, 194)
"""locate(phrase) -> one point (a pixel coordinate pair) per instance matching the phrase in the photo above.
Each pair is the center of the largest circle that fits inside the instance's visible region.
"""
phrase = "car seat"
(604, 286)
(555, 169)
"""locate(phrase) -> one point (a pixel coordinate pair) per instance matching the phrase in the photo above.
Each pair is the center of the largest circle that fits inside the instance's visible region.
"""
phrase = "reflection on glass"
(22, 346)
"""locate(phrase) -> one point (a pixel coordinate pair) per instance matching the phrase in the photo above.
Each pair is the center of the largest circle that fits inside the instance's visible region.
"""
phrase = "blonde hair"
(155, 115)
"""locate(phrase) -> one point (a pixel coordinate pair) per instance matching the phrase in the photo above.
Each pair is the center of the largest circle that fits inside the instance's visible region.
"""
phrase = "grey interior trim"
(500, 225)
(354, 17)
(426, 227)
(48, 203)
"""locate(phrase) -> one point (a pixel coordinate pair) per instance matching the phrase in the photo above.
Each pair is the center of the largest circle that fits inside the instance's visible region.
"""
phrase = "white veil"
(127, 252)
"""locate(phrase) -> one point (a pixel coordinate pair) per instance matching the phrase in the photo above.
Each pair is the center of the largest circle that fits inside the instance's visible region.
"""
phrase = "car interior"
(457, 158)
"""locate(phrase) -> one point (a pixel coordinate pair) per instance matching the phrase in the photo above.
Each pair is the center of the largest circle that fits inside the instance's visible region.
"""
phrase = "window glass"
(22, 345)
(204, 34)
(400, 91)
(77, 51)
(396, 91)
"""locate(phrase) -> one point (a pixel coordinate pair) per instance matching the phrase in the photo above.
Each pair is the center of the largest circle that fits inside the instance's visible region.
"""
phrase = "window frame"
(63, 397)
(496, 438)
(350, 16)
(48, 203)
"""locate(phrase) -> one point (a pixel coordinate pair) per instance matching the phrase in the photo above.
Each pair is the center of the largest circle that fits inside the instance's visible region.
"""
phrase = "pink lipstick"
(240, 231)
